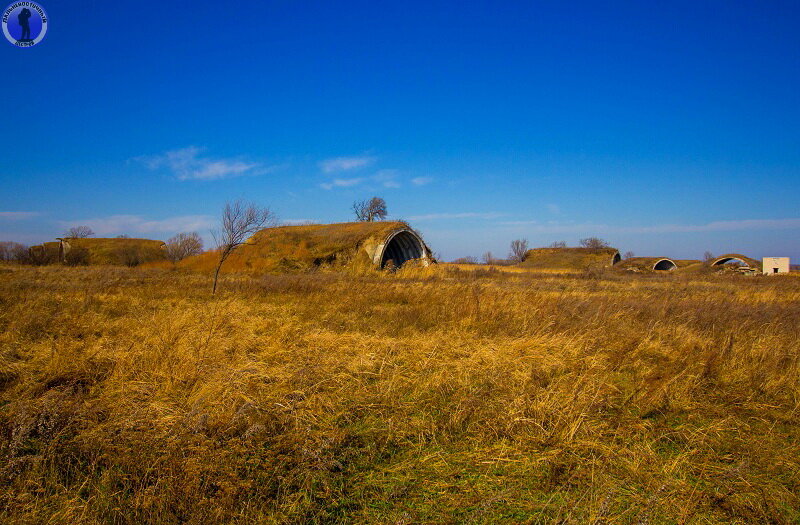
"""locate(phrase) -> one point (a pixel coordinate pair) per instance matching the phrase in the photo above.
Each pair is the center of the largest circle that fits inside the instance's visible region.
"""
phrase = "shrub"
(77, 256)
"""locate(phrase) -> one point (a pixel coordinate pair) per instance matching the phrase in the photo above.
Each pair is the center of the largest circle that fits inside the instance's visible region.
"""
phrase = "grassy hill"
(100, 251)
(570, 258)
(116, 251)
(302, 248)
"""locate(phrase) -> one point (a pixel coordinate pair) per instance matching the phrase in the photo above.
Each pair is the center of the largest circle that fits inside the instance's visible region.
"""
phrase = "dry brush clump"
(435, 395)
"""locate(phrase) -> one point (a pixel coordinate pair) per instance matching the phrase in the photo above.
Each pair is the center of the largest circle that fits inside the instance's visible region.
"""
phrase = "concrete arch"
(400, 247)
(617, 258)
(665, 265)
(729, 257)
(726, 260)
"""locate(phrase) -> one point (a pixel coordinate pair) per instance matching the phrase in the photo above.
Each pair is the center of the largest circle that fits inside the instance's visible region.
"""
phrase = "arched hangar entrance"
(664, 264)
(400, 247)
(736, 258)
(729, 260)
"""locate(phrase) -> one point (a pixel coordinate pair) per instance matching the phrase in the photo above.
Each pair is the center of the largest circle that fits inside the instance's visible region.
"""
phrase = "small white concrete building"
(773, 265)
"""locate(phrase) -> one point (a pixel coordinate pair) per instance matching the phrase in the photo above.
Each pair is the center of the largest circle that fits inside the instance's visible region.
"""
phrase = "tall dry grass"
(435, 395)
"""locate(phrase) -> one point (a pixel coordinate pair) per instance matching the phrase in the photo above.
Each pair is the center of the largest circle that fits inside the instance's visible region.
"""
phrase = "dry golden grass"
(509, 269)
(434, 395)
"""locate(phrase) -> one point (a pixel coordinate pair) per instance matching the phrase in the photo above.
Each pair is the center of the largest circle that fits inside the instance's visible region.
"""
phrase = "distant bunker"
(664, 264)
(383, 244)
(571, 258)
(734, 258)
(120, 251)
(648, 264)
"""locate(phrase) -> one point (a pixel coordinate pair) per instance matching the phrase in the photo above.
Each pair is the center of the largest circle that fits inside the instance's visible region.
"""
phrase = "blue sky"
(665, 128)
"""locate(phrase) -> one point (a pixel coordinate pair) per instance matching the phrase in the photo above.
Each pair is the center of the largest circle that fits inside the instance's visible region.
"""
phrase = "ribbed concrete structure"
(644, 264)
(665, 264)
(399, 247)
(733, 257)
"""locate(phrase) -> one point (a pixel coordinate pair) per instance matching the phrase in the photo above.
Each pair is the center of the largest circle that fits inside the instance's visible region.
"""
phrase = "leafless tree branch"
(239, 222)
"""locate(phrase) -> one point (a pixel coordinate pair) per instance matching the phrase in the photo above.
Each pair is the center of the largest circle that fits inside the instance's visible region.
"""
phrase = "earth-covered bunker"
(734, 257)
(571, 258)
(119, 251)
(381, 244)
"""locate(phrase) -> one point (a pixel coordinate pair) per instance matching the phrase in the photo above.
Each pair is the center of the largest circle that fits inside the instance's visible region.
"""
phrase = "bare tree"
(13, 251)
(558, 244)
(5, 250)
(360, 210)
(594, 242)
(708, 257)
(519, 249)
(628, 255)
(79, 232)
(239, 221)
(488, 258)
(183, 245)
(368, 211)
(123, 236)
(20, 253)
(469, 259)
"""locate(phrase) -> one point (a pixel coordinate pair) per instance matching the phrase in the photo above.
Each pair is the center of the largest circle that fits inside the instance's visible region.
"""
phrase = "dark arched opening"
(615, 259)
(402, 247)
(730, 260)
(664, 264)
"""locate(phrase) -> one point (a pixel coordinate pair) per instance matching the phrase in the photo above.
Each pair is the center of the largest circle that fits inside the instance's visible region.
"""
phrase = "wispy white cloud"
(18, 215)
(341, 183)
(554, 209)
(720, 226)
(556, 227)
(421, 181)
(387, 178)
(716, 226)
(298, 222)
(135, 224)
(24, 238)
(188, 164)
(337, 164)
(446, 216)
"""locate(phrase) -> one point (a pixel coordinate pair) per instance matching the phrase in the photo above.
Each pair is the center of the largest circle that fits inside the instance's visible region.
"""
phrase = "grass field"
(447, 394)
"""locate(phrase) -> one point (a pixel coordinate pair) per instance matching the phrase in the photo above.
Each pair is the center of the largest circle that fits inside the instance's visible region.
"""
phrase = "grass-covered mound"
(302, 248)
(99, 251)
(641, 264)
(45, 253)
(113, 251)
(686, 263)
(570, 258)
